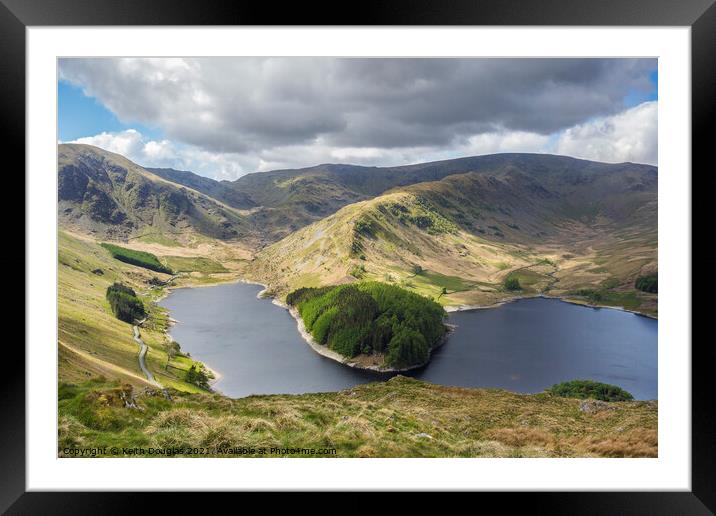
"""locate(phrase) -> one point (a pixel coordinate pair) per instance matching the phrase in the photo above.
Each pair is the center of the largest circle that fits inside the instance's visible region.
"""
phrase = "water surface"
(524, 346)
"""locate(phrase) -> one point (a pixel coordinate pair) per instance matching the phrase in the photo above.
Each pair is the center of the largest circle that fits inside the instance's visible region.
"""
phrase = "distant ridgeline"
(372, 318)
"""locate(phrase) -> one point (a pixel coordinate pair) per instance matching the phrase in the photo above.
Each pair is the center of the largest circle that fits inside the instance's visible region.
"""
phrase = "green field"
(194, 264)
(629, 300)
(138, 258)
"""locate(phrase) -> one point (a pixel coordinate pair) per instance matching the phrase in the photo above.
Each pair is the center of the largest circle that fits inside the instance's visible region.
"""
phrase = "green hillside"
(218, 190)
(466, 233)
(291, 199)
(474, 231)
(107, 195)
(92, 341)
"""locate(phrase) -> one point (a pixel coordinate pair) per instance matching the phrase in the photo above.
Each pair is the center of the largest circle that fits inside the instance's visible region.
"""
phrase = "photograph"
(416, 244)
(357, 257)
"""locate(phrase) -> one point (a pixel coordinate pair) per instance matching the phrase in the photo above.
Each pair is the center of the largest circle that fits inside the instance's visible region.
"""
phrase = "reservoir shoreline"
(465, 308)
(255, 344)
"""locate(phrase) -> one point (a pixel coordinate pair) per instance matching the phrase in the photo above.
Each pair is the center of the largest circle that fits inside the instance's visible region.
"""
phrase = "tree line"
(138, 258)
(372, 318)
(125, 304)
(590, 389)
(648, 283)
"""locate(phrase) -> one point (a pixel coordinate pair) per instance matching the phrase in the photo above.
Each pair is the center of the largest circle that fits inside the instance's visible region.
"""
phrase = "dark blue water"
(524, 346)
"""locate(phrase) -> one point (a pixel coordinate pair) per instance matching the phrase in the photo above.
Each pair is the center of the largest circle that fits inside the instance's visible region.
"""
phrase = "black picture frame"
(700, 15)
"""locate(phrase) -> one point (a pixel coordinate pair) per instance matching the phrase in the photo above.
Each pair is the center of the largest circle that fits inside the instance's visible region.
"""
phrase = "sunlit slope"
(108, 195)
(105, 194)
(92, 342)
(385, 239)
(457, 239)
(289, 199)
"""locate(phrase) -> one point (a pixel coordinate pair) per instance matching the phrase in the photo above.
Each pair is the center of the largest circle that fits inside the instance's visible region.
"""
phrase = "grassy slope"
(105, 194)
(202, 261)
(290, 199)
(480, 231)
(465, 256)
(92, 342)
(215, 189)
(322, 253)
(399, 418)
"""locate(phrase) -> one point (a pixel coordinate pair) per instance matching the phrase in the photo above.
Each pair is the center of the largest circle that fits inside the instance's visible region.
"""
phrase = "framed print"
(419, 249)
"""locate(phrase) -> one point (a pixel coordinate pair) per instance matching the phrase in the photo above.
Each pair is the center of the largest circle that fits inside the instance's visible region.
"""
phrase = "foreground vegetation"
(399, 418)
(372, 318)
(138, 258)
(590, 389)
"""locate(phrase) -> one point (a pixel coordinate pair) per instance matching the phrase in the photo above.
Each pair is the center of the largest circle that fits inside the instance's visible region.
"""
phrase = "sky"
(226, 117)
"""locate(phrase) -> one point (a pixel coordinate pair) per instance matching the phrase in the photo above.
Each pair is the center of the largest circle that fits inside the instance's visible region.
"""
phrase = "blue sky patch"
(80, 116)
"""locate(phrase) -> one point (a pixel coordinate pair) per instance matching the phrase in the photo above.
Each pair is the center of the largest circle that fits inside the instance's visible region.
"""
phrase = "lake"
(523, 346)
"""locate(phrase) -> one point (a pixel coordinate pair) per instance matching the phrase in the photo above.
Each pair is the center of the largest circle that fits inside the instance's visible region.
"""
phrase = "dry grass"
(399, 418)
(470, 266)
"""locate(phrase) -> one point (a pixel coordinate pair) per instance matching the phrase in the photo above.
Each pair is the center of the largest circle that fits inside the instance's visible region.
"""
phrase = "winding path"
(142, 353)
(142, 364)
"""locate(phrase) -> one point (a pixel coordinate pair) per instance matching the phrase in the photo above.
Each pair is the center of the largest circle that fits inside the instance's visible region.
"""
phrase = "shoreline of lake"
(297, 326)
(216, 375)
(305, 335)
(333, 355)
(168, 290)
(346, 361)
(465, 308)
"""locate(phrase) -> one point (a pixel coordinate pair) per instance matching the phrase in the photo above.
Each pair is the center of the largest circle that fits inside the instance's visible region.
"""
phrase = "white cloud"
(166, 154)
(330, 109)
(127, 143)
(505, 141)
(628, 136)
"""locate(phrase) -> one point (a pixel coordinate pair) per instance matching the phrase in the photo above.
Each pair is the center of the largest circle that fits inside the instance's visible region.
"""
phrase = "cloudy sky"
(225, 117)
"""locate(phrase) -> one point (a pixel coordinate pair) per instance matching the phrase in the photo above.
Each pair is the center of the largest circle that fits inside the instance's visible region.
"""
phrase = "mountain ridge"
(563, 231)
(507, 205)
(106, 194)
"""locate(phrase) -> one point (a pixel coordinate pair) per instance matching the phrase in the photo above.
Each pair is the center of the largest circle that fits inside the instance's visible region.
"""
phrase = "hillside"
(216, 189)
(291, 199)
(562, 231)
(398, 418)
(104, 194)
(107, 195)
(92, 342)
(453, 231)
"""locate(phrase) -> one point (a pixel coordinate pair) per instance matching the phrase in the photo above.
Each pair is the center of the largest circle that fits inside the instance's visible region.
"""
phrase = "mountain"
(215, 189)
(556, 223)
(560, 225)
(107, 195)
(291, 199)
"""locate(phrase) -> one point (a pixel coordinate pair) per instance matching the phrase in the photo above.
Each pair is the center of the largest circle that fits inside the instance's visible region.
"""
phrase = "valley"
(470, 232)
